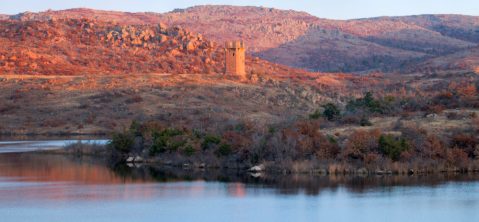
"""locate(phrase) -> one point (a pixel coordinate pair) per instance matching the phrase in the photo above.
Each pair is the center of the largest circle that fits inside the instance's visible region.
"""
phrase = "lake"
(45, 187)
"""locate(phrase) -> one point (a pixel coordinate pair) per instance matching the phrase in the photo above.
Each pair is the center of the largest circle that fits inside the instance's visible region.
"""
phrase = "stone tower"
(235, 58)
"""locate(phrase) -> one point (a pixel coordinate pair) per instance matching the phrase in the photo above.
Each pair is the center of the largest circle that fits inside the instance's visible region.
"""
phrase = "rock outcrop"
(74, 46)
(84, 46)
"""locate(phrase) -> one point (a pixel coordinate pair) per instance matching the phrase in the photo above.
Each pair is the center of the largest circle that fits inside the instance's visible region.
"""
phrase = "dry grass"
(440, 124)
(100, 104)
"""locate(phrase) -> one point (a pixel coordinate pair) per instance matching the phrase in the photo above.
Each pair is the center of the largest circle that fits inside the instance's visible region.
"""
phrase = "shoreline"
(331, 169)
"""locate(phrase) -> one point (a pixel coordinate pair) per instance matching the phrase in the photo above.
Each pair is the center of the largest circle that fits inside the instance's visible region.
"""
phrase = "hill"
(86, 46)
(301, 40)
(461, 60)
(73, 46)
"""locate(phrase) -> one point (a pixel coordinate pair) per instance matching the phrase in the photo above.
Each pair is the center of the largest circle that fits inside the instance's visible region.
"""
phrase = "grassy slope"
(100, 104)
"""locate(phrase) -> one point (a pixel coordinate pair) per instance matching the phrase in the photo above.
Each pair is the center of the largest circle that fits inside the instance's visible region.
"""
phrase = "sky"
(333, 9)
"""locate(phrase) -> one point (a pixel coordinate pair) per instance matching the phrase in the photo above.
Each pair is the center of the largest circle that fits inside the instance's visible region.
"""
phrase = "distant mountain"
(301, 40)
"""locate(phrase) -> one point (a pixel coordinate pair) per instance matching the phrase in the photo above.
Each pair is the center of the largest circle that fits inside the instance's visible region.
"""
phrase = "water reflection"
(15, 146)
(41, 187)
(61, 174)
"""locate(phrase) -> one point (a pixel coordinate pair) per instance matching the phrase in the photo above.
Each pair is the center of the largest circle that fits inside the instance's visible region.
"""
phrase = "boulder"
(321, 171)
(175, 52)
(257, 168)
(362, 171)
(410, 172)
(163, 38)
(431, 116)
(190, 46)
(162, 26)
(137, 41)
(256, 174)
(138, 159)
(130, 159)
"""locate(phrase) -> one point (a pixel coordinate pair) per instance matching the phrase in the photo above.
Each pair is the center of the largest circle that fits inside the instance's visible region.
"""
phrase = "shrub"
(272, 129)
(122, 142)
(327, 147)
(238, 140)
(453, 116)
(175, 144)
(365, 122)
(433, 148)
(224, 150)
(457, 157)
(476, 152)
(189, 150)
(392, 147)
(406, 155)
(135, 128)
(369, 104)
(163, 141)
(437, 109)
(475, 123)
(316, 115)
(209, 140)
(371, 158)
(309, 128)
(351, 118)
(134, 99)
(466, 142)
(331, 111)
(240, 127)
(360, 143)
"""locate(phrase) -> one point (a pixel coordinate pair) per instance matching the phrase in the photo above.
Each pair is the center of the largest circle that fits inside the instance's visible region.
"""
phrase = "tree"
(392, 147)
(224, 150)
(166, 140)
(331, 111)
(369, 104)
(122, 142)
(210, 140)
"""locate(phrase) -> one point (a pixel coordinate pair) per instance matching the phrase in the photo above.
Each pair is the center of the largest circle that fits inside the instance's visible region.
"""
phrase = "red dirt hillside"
(75, 46)
(84, 46)
(301, 40)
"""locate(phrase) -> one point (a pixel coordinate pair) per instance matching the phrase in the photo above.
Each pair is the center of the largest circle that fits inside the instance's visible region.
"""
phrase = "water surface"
(15, 146)
(41, 187)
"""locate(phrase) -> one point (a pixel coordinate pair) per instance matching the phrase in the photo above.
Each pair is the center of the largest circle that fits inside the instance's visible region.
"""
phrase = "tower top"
(234, 45)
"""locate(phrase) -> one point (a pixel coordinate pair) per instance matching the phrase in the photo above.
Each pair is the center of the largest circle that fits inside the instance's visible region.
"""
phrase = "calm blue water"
(36, 187)
(28, 146)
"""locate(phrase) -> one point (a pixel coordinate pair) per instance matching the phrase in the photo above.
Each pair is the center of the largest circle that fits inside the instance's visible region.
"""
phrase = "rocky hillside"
(462, 60)
(86, 46)
(74, 46)
(302, 40)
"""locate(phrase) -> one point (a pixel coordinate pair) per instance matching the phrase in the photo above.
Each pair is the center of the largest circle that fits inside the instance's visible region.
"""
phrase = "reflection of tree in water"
(291, 184)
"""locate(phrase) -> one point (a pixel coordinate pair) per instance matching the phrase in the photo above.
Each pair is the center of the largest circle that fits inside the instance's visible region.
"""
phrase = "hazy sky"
(338, 9)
